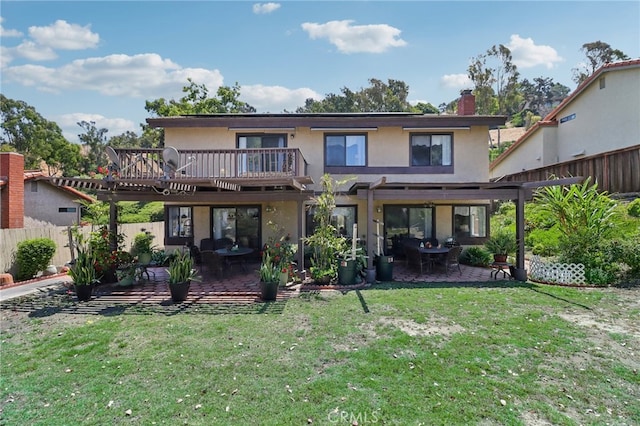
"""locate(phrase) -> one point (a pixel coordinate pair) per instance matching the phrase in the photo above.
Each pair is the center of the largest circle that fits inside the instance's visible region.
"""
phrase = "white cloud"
(526, 54)
(6, 56)
(65, 36)
(34, 52)
(264, 8)
(8, 33)
(116, 126)
(138, 76)
(350, 38)
(276, 99)
(455, 81)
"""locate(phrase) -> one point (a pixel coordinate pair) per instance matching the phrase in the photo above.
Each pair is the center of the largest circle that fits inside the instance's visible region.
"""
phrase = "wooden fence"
(615, 171)
(9, 239)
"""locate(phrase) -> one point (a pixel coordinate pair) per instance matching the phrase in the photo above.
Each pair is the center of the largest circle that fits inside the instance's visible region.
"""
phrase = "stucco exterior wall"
(605, 119)
(386, 147)
(44, 204)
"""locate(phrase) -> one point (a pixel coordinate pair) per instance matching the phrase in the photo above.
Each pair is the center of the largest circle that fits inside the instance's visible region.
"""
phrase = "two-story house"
(594, 132)
(231, 175)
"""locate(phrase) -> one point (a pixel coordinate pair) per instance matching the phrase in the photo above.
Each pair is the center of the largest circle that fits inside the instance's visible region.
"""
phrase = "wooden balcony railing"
(264, 163)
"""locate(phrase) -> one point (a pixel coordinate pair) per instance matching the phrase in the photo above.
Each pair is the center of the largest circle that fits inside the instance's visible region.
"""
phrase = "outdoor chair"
(452, 259)
(415, 260)
(207, 244)
(213, 263)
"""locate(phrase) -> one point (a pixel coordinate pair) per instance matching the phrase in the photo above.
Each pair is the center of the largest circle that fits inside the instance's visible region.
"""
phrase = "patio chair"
(415, 260)
(452, 259)
(207, 244)
(213, 263)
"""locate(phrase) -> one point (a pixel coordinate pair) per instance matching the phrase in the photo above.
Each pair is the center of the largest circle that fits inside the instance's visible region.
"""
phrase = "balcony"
(246, 167)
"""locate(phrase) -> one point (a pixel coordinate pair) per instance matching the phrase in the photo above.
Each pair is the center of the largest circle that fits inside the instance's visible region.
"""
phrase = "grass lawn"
(395, 354)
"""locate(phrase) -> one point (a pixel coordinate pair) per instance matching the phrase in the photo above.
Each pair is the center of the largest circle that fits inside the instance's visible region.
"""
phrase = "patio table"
(433, 253)
(235, 255)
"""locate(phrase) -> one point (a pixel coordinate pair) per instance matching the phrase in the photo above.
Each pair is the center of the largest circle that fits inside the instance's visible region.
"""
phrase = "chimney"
(467, 103)
(12, 198)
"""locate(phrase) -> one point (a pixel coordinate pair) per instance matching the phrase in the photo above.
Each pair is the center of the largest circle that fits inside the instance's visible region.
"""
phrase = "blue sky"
(100, 61)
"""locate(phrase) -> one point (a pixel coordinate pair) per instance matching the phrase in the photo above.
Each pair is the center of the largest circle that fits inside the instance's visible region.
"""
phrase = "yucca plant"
(83, 271)
(181, 268)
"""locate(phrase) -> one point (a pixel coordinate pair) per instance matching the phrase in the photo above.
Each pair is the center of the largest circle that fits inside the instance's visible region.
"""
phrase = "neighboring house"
(229, 176)
(30, 194)
(594, 132)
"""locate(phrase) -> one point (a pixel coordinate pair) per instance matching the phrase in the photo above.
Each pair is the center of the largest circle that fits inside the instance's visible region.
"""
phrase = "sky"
(101, 60)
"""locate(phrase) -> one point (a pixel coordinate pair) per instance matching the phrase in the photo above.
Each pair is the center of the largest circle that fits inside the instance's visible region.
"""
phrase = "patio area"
(239, 287)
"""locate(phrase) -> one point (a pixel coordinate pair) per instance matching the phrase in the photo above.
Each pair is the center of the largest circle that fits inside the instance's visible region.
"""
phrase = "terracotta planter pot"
(179, 291)
(500, 258)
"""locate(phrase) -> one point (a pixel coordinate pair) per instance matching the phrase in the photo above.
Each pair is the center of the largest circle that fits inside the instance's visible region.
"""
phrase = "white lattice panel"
(560, 273)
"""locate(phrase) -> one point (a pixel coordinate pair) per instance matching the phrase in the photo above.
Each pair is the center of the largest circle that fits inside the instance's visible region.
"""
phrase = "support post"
(113, 225)
(370, 239)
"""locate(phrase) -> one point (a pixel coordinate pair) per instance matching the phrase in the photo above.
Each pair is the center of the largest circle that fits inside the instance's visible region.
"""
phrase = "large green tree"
(25, 131)
(94, 141)
(495, 79)
(195, 101)
(597, 54)
(378, 97)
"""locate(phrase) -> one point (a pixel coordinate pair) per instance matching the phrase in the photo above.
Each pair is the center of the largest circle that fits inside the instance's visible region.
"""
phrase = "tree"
(127, 139)
(378, 97)
(598, 53)
(25, 131)
(426, 108)
(95, 141)
(195, 101)
(495, 78)
(541, 95)
(198, 101)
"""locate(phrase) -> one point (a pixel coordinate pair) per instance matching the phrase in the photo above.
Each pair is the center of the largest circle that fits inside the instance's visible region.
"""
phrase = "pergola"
(220, 190)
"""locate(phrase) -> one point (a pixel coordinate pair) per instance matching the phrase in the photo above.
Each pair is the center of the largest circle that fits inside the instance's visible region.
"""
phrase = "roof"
(550, 120)
(36, 175)
(326, 120)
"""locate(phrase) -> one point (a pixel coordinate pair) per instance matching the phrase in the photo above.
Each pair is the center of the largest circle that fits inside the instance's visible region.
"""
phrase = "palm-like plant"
(181, 268)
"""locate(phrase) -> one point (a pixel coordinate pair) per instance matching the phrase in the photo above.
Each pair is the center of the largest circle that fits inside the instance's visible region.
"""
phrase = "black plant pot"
(84, 292)
(269, 291)
(347, 272)
(179, 291)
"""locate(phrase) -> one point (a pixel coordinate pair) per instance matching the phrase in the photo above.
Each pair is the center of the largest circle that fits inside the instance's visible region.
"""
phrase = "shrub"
(475, 256)
(633, 209)
(33, 256)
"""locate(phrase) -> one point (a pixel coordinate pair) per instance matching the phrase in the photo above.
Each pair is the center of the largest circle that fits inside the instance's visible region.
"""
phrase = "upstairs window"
(431, 150)
(345, 150)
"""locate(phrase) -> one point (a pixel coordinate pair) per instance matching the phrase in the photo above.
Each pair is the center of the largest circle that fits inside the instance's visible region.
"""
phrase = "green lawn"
(437, 354)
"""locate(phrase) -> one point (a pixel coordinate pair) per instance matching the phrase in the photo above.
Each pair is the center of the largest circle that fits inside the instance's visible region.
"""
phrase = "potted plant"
(142, 247)
(269, 277)
(83, 271)
(501, 244)
(181, 272)
(326, 243)
(353, 261)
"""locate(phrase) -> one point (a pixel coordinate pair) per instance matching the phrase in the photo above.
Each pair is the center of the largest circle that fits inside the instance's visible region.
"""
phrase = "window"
(66, 210)
(345, 150)
(602, 83)
(271, 161)
(407, 222)
(470, 222)
(343, 218)
(34, 186)
(238, 224)
(431, 150)
(178, 225)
